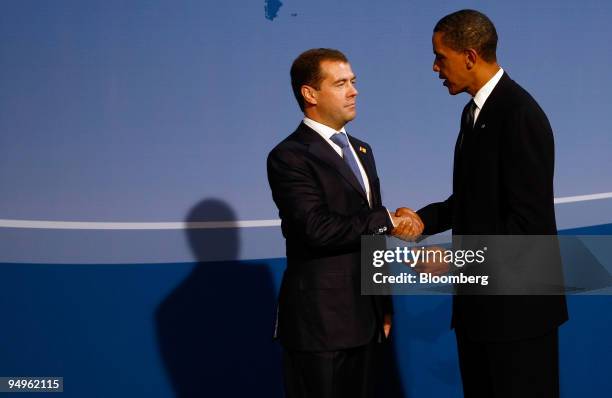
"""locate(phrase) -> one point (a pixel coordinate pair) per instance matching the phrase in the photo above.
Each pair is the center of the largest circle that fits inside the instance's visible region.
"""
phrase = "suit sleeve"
(437, 217)
(302, 205)
(527, 167)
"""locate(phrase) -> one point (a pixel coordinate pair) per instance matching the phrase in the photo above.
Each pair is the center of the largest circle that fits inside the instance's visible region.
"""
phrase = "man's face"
(450, 65)
(336, 94)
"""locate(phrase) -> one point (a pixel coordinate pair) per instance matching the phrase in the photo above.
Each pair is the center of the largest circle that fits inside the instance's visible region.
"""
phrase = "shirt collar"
(325, 131)
(481, 96)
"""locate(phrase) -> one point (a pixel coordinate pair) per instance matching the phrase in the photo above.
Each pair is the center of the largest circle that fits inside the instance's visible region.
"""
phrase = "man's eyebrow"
(345, 79)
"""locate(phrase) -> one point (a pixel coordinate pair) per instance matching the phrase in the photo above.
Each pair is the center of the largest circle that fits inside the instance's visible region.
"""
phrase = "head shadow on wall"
(215, 328)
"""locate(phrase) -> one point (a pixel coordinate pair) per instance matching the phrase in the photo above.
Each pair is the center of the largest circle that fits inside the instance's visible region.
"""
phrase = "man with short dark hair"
(502, 185)
(325, 185)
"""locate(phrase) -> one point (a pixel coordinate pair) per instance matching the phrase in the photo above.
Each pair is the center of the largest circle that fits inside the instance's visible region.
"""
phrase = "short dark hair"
(469, 29)
(306, 69)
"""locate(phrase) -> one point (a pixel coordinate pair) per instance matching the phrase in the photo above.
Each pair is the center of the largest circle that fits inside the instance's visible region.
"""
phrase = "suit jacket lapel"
(318, 147)
(368, 165)
(489, 111)
(363, 158)
(490, 108)
(468, 134)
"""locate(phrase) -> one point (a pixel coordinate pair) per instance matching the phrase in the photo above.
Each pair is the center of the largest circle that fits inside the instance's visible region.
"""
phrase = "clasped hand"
(408, 224)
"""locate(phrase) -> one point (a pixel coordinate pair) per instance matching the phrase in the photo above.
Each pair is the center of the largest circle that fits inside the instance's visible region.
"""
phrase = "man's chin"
(451, 90)
(454, 90)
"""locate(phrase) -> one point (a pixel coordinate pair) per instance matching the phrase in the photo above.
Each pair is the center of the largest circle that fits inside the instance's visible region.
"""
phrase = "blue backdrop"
(154, 111)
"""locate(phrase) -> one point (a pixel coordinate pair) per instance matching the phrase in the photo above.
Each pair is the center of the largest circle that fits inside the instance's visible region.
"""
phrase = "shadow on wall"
(215, 329)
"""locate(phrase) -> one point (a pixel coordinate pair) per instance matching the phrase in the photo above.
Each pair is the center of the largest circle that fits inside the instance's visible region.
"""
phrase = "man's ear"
(310, 94)
(471, 56)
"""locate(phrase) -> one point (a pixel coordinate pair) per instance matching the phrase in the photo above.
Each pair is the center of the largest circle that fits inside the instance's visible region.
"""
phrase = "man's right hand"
(408, 224)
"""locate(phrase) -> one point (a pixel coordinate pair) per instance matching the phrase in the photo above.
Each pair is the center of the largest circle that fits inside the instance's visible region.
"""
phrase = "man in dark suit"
(502, 185)
(325, 186)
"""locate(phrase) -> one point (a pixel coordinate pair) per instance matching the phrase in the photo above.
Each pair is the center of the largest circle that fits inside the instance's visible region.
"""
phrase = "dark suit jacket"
(324, 213)
(502, 185)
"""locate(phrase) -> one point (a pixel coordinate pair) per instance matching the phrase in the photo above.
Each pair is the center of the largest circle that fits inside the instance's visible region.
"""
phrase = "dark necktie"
(341, 140)
(468, 122)
(469, 114)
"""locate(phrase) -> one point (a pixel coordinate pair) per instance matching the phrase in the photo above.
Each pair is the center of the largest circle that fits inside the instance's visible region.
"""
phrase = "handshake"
(407, 224)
